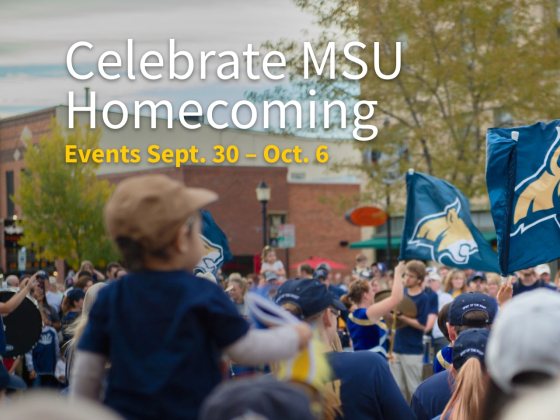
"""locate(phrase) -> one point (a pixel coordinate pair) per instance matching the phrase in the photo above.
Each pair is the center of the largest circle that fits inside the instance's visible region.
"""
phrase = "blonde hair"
(330, 402)
(470, 388)
(266, 250)
(448, 286)
(494, 278)
(76, 329)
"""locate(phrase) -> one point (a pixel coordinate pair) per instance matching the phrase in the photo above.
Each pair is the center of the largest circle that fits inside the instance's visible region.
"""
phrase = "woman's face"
(38, 294)
(271, 257)
(88, 268)
(88, 285)
(369, 296)
(457, 281)
(375, 286)
(493, 289)
(79, 305)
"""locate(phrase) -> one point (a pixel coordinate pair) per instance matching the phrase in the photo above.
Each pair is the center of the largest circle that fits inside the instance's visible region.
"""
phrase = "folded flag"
(438, 226)
(216, 246)
(310, 365)
(523, 179)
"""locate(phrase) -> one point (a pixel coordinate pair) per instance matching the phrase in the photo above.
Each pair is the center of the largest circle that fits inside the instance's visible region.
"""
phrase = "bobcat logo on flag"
(446, 234)
(537, 197)
(212, 259)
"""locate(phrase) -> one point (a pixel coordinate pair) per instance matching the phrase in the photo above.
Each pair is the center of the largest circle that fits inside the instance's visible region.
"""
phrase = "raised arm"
(24, 288)
(377, 310)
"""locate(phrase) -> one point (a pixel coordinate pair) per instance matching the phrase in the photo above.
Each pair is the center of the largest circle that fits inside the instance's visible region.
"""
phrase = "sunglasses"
(335, 312)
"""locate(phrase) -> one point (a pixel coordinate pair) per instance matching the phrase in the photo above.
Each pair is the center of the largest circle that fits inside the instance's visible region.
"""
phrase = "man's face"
(250, 283)
(468, 272)
(375, 271)
(443, 272)
(545, 277)
(411, 279)
(435, 285)
(528, 271)
(478, 285)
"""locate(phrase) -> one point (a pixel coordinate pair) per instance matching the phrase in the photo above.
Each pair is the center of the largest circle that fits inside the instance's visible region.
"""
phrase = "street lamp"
(263, 195)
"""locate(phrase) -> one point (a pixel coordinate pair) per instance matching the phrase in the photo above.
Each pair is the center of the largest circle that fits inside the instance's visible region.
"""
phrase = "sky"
(35, 36)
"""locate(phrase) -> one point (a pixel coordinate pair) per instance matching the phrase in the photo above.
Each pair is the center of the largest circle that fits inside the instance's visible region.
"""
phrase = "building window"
(10, 193)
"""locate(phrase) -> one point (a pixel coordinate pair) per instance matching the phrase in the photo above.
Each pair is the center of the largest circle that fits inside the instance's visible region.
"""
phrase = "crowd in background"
(156, 341)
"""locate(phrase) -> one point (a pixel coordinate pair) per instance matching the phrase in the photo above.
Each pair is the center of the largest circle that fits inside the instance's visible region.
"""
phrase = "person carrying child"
(162, 329)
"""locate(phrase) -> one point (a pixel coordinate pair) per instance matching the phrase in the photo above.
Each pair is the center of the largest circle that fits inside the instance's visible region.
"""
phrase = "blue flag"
(216, 246)
(438, 226)
(523, 179)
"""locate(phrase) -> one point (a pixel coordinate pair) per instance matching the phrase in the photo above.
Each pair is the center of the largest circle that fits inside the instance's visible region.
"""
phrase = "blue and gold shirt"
(443, 360)
(365, 334)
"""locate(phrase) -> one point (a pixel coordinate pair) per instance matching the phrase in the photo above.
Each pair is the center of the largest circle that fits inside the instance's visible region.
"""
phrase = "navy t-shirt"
(432, 395)
(519, 288)
(45, 353)
(408, 340)
(433, 302)
(366, 388)
(162, 332)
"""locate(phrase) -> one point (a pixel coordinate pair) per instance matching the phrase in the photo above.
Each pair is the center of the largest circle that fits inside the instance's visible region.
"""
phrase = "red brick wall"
(319, 230)
(238, 213)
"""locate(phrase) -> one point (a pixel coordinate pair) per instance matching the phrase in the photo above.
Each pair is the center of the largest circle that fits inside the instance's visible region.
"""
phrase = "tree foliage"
(467, 65)
(62, 203)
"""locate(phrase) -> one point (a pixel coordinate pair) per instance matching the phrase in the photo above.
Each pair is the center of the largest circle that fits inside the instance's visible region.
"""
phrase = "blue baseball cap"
(468, 302)
(8, 381)
(320, 273)
(324, 266)
(309, 295)
(76, 294)
(477, 275)
(42, 274)
(470, 343)
(261, 398)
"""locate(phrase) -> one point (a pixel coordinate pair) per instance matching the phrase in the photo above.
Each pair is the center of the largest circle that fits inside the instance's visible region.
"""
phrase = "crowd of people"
(150, 340)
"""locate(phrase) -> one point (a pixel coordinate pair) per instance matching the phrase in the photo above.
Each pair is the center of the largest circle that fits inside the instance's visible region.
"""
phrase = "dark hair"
(83, 280)
(67, 304)
(443, 317)
(112, 265)
(473, 316)
(306, 269)
(84, 274)
(133, 252)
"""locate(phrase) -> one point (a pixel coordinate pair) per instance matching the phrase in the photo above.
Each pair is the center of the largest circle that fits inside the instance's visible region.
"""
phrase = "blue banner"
(438, 226)
(523, 179)
(216, 246)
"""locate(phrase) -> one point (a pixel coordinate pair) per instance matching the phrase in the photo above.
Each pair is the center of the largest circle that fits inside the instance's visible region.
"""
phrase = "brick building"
(300, 193)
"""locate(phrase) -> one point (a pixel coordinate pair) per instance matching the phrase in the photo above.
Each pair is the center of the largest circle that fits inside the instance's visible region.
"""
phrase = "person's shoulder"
(550, 287)
(434, 383)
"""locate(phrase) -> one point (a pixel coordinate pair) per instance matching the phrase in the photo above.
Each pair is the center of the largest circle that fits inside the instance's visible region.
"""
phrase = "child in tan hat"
(162, 329)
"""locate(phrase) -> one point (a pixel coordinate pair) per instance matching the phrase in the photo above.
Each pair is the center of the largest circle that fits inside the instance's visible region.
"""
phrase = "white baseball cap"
(541, 269)
(525, 338)
(434, 276)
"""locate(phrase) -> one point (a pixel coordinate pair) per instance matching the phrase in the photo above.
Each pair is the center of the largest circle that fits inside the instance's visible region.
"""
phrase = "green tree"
(467, 65)
(62, 203)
